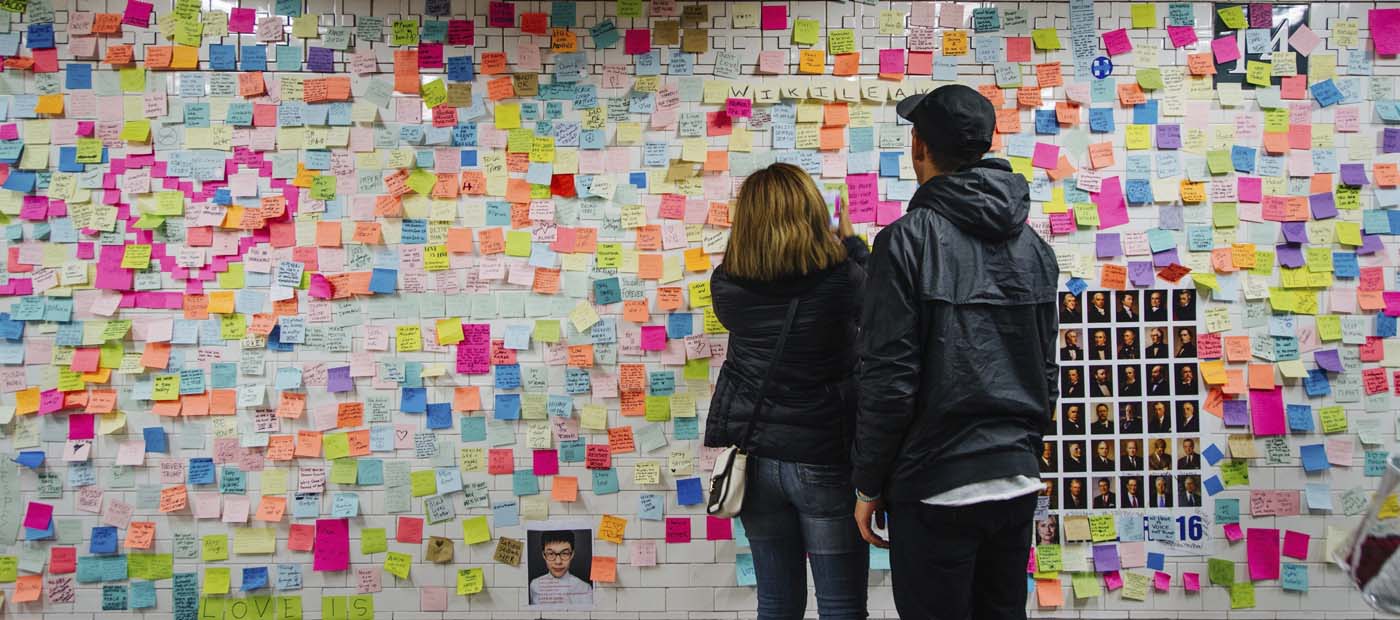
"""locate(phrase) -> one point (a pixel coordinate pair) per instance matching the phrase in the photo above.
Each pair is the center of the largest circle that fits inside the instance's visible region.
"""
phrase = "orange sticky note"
(28, 587)
(1261, 376)
(467, 398)
(604, 569)
(565, 489)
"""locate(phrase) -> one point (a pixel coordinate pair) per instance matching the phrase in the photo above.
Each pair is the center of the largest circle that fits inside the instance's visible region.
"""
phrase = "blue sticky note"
(439, 415)
(369, 472)
(649, 506)
(31, 458)
(524, 482)
(1145, 113)
(1156, 561)
(505, 513)
(744, 571)
(1046, 123)
(1227, 511)
(1076, 285)
(201, 471)
(254, 578)
(1295, 576)
(889, 164)
(1300, 418)
(104, 540)
(155, 439)
(1213, 454)
(507, 407)
(460, 69)
(605, 481)
(880, 560)
(383, 281)
(1385, 326)
(473, 428)
(254, 58)
(688, 492)
(40, 36)
(1314, 457)
(143, 594)
(1213, 485)
(78, 76)
(223, 57)
(413, 400)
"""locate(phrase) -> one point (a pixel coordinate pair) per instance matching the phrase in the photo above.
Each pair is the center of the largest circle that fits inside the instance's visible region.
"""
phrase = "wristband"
(866, 498)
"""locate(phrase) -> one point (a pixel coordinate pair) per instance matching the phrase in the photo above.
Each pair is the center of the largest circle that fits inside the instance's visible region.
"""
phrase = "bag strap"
(768, 374)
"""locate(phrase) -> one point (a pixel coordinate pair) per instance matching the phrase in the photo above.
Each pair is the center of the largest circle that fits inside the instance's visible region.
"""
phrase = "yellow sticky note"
(136, 131)
(1144, 15)
(805, 31)
(475, 530)
(408, 338)
(216, 580)
(1258, 73)
(518, 243)
(1233, 17)
(507, 115)
(133, 79)
(1138, 137)
(423, 482)
(469, 581)
(136, 256)
(449, 331)
(49, 104)
(214, 547)
(1046, 38)
(335, 446)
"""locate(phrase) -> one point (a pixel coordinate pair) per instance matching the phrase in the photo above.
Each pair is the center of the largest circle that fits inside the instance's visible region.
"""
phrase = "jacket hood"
(986, 200)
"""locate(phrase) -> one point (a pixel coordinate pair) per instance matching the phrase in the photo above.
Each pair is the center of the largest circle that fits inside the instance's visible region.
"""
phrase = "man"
(1161, 492)
(1156, 307)
(1074, 456)
(558, 586)
(1190, 492)
(1098, 308)
(1069, 308)
(1186, 385)
(1100, 349)
(1074, 498)
(1047, 457)
(1103, 383)
(959, 289)
(1129, 385)
(1132, 495)
(1189, 459)
(1074, 385)
(1073, 422)
(1157, 349)
(1186, 419)
(1071, 350)
(1160, 459)
(1127, 343)
(1128, 420)
(1103, 456)
(1106, 497)
(1127, 307)
(1160, 421)
(1185, 309)
(1157, 382)
(1185, 343)
(1103, 420)
(1130, 461)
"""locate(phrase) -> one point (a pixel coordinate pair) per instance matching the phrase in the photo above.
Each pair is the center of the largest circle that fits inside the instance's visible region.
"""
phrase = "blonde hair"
(780, 227)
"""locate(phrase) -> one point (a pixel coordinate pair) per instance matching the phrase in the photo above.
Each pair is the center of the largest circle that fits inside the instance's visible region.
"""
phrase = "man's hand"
(866, 512)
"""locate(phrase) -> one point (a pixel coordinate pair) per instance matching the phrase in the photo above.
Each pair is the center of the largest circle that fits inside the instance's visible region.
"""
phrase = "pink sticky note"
(37, 516)
(653, 338)
(1266, 412)
(738, 107)
(242, 20)
(1112, 580)
(332, 547)
(892, 61)
(1233, 532)
(1162, 581)
(920, 63)
(772, 62)
(638, 41)
(1192, 581)
(1251, 189)
(546, 462)
(1116, 42)
(1181, 36)
(80, 426)
(1047, 156)
(1295, 544)
(677, 530)
(433, 599)
(1262, 549)
(774, 17)
(887, 211)
(718, 529)
(1226, 48)
(137, 14)
(1113, 210)
(1385, 30)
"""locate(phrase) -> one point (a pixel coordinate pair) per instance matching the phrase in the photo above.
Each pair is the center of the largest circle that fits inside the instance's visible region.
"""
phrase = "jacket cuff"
(867, 484)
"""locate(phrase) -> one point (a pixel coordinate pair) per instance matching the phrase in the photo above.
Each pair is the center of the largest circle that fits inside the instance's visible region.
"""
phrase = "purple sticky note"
(320, 59)
(1165, 258)
(1328, 360)
(1390, 140)
(1108, 245)
(338, 379)
(1324, 205)
(1105, 558)
(1140, 273)
(1289, 255)
(1236, 412)
(1266, 412)
(1354, 175)
(1370, 244)
(1261, 15)
(1169, 136)
(1295, 232)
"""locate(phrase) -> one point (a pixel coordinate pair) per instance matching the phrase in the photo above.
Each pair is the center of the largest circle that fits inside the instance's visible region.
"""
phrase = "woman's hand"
(843, 221)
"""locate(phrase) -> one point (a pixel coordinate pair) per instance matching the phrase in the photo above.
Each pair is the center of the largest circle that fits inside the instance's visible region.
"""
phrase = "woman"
(799, 497)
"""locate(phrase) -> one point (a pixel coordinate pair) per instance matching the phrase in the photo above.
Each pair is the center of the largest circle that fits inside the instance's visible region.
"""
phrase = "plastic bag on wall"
(1369, 555)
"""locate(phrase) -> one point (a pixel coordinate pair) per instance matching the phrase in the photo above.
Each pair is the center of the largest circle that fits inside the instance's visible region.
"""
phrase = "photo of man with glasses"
(555, 554)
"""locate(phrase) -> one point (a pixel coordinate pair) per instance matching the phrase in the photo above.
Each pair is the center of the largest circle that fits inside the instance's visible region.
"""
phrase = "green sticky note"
(806, 31)
(215, 547)
(1221, 572)
(629, 8)
(335, 446)
(133, 80)
(841, 41)
(405, 32)
(1225, 215)
(1102, 528)
(398, 564)
(658, 408)
(421, 181)
(136, 131)
(9, 569)
(288, 608)
(216, 580)
(1086, 585)
(422, 483)
(1144, 15)
(547, 330)
(1233, 17)
(232, 278)
(1242, 595)
(1150, 79)
(1046, 38)
(1086, 214)
(1219, 161)
(434, 93)
(373, 540)
(1334, 419)
(323, 187)
(89, 151)
(344, 471)
(518, 243)
(1234, 472)
(1048, 559)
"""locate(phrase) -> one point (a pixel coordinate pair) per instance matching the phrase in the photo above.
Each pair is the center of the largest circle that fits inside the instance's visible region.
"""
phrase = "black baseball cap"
(951, 119)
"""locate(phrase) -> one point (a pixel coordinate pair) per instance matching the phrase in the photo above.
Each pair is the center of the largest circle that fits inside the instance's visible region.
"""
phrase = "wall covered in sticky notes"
(319, 307)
